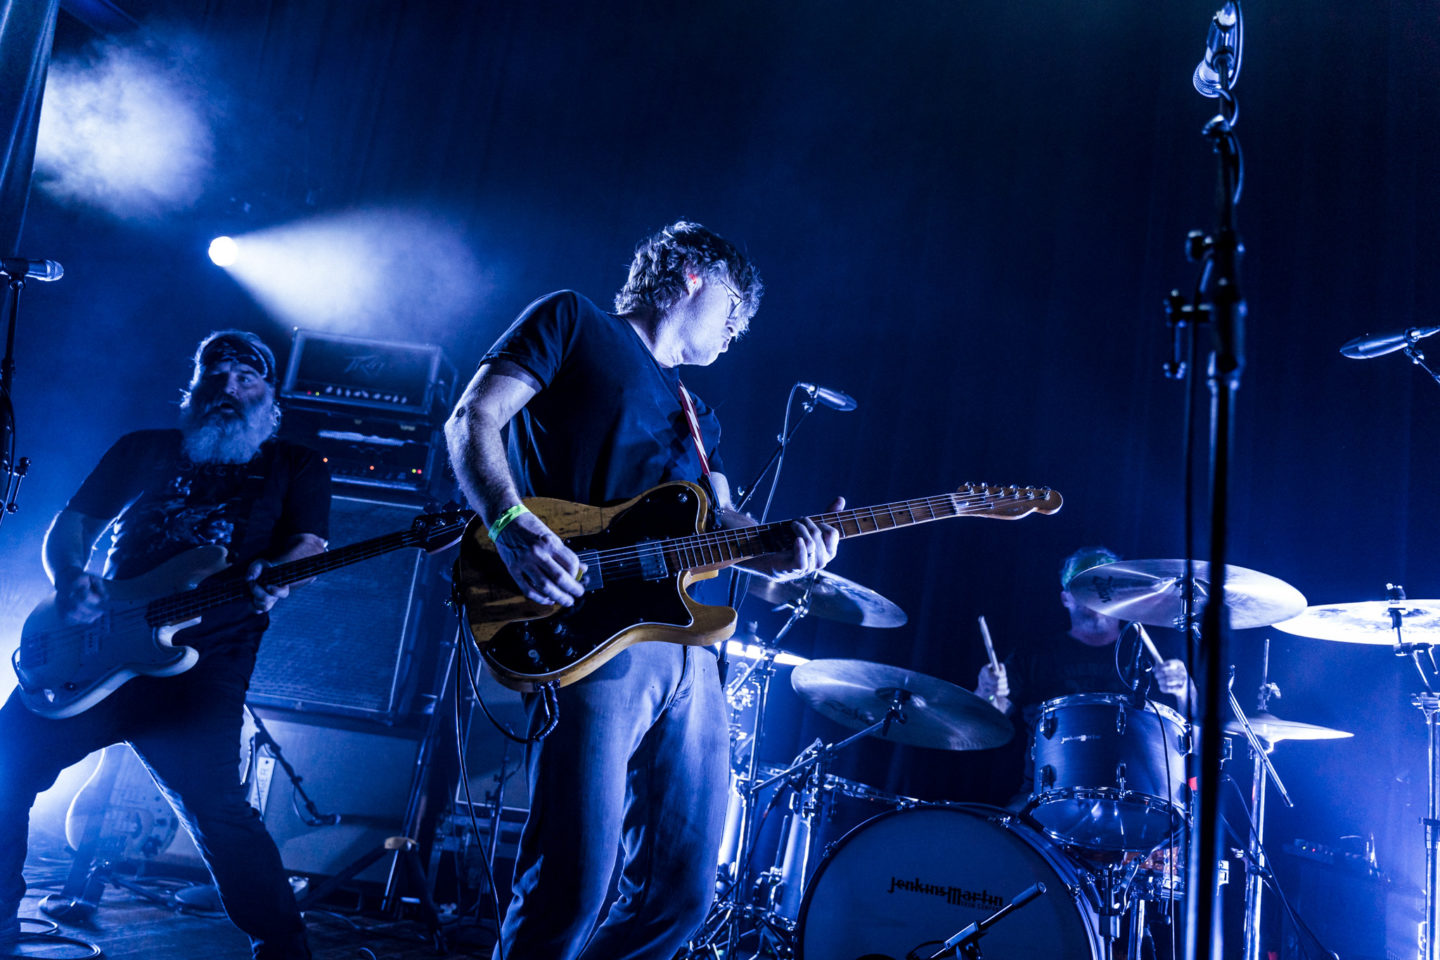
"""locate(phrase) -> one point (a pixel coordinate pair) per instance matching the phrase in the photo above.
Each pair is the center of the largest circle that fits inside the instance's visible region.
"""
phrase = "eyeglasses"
(737, 302)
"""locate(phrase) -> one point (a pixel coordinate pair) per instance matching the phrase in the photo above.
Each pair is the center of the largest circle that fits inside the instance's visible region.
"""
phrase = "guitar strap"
(261, 486)
(688, 405)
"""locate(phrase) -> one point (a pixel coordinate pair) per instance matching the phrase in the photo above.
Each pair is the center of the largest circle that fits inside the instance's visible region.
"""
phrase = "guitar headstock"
(441, 529)
(1007, 503)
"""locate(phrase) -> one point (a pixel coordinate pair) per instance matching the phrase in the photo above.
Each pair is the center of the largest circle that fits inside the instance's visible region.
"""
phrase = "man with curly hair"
(638, 763)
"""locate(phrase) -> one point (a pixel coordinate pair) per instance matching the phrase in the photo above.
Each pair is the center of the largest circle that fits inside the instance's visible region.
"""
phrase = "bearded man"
(220, 479)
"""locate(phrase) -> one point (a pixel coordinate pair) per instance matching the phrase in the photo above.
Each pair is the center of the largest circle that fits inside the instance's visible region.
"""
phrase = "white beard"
(215, 438)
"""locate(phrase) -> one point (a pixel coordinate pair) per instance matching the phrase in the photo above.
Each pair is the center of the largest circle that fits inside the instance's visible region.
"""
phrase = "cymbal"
(1270, 727)
(856, 693)
(832, 597)
(1367, 621)
(1149, 591)
(744, 647)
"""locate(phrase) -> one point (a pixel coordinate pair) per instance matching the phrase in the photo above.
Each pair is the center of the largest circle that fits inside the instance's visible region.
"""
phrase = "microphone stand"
(967, 942)
(1224, 313)
(12, 470)
(807, 407)
(1418, 358)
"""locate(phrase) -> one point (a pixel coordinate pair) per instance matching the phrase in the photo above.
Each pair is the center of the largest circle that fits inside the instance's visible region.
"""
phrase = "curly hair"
(657, 273)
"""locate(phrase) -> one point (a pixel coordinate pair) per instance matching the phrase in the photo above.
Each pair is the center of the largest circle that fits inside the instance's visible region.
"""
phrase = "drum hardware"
(736, 912)
(733, 913)
(966, 943)
(1412, 628)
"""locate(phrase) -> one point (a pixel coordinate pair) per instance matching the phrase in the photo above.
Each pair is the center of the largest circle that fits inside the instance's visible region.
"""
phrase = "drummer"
(1083, 660)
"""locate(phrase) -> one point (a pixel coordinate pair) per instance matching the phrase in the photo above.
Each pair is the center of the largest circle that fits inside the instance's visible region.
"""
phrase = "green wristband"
(503, 521)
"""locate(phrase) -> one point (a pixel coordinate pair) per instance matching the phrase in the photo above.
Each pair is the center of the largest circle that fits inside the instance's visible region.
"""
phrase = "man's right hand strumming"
(544, 568)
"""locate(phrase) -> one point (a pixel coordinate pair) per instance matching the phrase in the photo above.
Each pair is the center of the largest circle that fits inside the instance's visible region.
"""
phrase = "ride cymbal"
(831, 597)
(1367, 621)
(857, 693)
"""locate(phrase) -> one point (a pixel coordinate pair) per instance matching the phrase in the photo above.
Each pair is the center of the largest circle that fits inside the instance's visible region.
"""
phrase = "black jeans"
(187, 731)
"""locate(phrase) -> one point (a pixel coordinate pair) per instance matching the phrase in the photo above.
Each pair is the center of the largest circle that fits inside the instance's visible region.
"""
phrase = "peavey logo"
(367, 365)
(953, 895)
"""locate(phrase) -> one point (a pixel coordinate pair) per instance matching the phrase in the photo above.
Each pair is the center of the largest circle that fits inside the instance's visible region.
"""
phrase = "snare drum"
(1108, 775)
(902, 883)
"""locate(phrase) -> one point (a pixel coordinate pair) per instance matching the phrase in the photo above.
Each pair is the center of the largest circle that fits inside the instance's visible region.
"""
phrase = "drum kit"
(1103, 836)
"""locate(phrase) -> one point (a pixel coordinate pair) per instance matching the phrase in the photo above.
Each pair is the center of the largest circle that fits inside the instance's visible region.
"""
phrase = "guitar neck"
(722, 548)
(179, 607)
(744, 543)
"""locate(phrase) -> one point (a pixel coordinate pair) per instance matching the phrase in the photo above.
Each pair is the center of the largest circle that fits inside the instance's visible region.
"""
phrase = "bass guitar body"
(643, 597)
(66, 668)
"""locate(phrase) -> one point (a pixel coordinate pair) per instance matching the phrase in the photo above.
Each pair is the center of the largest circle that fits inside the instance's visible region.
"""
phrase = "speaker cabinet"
(350, 642)
(362, 775)
(494, 764)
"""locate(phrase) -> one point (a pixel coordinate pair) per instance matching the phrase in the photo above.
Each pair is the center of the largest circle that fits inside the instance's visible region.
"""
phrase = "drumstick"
(989, 647)
(1149, 644)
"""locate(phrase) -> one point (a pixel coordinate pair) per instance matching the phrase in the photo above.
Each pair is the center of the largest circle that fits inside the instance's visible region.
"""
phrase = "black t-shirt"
(607, 424)
(162, 505)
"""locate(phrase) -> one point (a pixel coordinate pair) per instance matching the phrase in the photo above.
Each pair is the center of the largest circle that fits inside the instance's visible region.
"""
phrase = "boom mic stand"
(1218, 304)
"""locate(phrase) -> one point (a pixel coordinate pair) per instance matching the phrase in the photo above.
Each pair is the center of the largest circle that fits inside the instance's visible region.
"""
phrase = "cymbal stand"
(726, 921)
(1428, 702)
(812, 763)
(1256, 866)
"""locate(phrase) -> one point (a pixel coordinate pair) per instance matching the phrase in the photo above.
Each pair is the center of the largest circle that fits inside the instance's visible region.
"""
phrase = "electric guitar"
(640, 556)
(66, 668)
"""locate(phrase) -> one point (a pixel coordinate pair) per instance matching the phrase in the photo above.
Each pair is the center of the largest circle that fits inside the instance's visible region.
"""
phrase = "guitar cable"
(461, 744)
(469, 654)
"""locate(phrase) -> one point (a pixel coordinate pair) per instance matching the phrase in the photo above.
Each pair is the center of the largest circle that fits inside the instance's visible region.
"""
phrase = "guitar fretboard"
(180, 607)
(662, 558)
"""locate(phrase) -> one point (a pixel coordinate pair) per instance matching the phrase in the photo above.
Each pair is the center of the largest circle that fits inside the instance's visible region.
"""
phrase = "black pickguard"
(545, 646)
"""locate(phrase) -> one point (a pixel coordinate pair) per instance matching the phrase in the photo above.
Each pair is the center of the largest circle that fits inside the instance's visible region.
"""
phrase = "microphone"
(1377, 345)
(1218, 45)
(833, 399)
(19, 268)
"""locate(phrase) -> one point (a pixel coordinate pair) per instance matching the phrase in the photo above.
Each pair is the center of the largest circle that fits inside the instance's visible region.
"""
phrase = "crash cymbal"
(831, 597)
(1149, 591)
(856, 693)
(1270, 727)
(1367, 621)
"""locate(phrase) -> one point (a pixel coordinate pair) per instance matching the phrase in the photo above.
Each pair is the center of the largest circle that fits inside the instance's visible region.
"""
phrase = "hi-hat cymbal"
(856, 693)
(1367, 621)
(1150, 591)
(1270, 727)
(831, 597)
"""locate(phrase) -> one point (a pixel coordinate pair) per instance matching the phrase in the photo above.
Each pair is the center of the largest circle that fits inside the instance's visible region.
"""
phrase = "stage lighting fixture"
(224, 251)
(366, 272)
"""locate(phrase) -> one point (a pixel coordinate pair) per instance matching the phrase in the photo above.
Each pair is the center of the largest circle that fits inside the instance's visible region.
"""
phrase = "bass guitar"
(66, 668)
(640, 558)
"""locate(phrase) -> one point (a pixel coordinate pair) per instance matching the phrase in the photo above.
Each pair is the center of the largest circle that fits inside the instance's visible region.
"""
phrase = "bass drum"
(902, 883)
